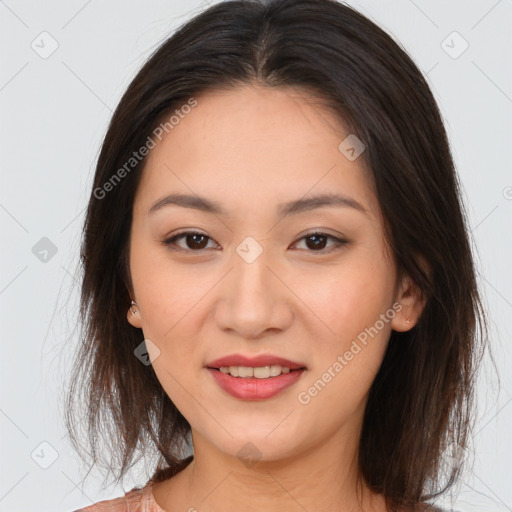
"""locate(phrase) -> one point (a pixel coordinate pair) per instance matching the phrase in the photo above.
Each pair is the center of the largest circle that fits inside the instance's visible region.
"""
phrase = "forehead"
(249, 146)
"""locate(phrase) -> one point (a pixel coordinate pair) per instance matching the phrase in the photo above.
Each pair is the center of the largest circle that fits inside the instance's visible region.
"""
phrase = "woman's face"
(252, 282)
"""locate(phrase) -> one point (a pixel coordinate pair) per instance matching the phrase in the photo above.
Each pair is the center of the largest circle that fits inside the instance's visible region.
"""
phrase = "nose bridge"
(251, 274)
(253, 300)
(251, 279)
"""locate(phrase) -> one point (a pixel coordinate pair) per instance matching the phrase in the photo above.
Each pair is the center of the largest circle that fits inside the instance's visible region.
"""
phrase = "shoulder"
(429, 507)
(432, 508)
(136, 500)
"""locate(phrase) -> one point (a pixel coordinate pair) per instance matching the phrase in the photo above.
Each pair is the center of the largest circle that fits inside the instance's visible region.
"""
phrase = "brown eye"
(194, 240)
(316, 242)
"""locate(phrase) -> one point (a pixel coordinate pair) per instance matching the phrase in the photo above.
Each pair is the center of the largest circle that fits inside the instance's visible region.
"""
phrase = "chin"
(252, 449)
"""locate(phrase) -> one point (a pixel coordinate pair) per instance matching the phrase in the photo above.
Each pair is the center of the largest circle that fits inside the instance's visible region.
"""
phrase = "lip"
(252, 388)
(261, 360)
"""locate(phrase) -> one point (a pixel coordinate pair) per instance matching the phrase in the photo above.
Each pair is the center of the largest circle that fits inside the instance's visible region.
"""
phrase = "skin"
(250, 149)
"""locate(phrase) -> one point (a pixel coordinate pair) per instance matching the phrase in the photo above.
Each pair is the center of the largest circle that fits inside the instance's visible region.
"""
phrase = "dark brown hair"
(421, 402)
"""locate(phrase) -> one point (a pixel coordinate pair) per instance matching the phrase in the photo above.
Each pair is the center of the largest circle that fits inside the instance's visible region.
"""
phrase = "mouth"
(255, 378)
(260, 362)
(258, 372)
(250, 386)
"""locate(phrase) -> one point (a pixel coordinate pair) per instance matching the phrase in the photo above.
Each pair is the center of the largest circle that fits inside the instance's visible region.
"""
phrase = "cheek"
(351, 351)
(171, 300)
(169, 292)
(171, 303)
(345, 364)
(347, 298)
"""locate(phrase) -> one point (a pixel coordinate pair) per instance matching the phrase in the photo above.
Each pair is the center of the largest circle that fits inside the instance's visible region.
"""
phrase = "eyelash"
(339, 242)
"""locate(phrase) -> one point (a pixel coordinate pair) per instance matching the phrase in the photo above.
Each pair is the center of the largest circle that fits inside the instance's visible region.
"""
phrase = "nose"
(254, 300)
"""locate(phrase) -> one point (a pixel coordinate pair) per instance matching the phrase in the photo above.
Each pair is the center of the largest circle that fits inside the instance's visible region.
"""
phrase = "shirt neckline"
(149, 500)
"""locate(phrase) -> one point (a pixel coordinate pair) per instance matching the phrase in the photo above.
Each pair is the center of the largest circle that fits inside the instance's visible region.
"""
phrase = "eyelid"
(339, 241)
(169, 241)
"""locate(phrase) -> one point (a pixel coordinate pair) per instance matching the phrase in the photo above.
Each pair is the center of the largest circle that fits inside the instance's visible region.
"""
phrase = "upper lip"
(261, 360)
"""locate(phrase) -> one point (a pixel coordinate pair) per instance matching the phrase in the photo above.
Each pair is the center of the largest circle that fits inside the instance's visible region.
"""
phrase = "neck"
(320, 478)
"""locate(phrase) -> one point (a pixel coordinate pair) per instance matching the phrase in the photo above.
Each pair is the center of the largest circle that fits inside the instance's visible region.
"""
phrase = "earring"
(408, 321)
(133, 310)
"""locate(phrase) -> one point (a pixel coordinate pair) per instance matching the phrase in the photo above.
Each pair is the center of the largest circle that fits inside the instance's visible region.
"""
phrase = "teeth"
(260, 372)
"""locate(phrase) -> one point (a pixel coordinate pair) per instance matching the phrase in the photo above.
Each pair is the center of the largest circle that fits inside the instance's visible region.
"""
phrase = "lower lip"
(252, 388)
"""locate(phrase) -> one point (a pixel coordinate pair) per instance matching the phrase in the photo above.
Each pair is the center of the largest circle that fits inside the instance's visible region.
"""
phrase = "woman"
(279, 298)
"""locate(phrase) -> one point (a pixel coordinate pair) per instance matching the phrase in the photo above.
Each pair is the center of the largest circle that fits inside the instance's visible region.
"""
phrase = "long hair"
(421, 401)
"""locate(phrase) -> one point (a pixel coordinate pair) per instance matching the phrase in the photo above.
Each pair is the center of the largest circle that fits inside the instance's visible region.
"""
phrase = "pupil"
(317, 244)
(318, 241)
(194, 237)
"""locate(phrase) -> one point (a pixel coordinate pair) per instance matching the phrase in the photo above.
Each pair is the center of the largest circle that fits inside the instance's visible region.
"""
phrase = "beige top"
(142, 500)
(136, 500)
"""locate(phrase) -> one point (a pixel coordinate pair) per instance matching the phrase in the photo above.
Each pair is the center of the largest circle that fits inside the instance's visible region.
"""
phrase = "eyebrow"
(283, 209)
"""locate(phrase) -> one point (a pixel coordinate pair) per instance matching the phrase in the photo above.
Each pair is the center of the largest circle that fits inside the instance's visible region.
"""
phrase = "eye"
(317, 241)
(196, 241)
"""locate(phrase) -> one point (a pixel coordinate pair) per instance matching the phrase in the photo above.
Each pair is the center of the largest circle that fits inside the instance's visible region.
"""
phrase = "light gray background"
(54, 114)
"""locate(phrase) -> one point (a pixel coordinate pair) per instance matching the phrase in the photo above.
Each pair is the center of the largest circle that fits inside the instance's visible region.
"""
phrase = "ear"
(412, 302)
(133, 316)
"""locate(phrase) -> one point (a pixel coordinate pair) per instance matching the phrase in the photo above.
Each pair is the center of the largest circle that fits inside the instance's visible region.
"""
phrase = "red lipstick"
(253, 388)
(261, 360)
